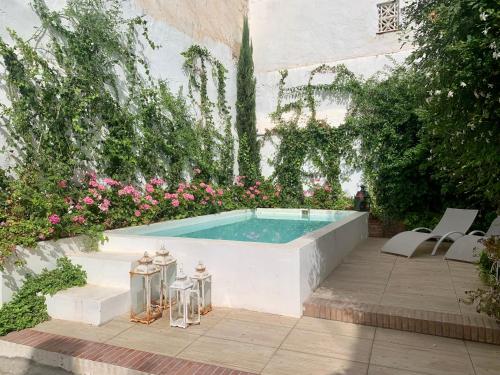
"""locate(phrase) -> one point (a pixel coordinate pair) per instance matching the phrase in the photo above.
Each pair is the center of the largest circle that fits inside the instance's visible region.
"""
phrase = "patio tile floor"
(420, 294)
(258, 343)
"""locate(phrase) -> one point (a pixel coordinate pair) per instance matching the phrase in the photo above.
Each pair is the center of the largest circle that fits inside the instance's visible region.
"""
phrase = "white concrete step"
(107, 269)
(92, 304)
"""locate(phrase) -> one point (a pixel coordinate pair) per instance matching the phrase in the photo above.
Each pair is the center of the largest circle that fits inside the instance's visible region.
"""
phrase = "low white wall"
(272, 278)
(35, 260)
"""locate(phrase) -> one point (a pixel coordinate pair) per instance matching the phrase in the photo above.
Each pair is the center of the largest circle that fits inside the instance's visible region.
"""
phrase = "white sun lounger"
(453, 225)
(467, 248)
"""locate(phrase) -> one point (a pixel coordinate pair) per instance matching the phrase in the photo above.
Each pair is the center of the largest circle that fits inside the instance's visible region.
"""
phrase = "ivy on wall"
(308, 147)
(82, 97)
(215, 145)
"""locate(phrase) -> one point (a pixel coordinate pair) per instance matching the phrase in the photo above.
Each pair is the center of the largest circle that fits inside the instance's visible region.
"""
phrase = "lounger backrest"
(455, 220)
(494, 229)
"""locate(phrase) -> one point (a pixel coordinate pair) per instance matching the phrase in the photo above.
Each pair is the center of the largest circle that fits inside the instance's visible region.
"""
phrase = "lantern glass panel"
(178, 310)
(137, 294)
(194, 307)
(207, 296)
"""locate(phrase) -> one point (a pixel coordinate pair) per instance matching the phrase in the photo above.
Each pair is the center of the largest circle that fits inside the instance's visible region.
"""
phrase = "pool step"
(91, 304)
(464, 327)
(107, 269)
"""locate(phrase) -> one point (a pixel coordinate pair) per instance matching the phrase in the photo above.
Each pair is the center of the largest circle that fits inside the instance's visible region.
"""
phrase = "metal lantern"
(203, 282)
(168, 265)
(144, 280)
(362, 200)
(186, 310)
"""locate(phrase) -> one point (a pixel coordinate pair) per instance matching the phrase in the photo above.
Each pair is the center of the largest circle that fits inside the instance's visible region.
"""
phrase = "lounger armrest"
(422, 228)
(480, 232)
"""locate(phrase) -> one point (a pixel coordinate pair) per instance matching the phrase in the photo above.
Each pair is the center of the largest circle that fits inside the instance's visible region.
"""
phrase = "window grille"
(388, 17)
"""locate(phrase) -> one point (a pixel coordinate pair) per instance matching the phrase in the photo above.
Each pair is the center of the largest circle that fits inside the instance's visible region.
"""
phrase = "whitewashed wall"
(168, 27)
(299, 35)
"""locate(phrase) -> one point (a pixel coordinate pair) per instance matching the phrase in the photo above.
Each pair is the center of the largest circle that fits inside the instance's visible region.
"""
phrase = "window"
(388, 17)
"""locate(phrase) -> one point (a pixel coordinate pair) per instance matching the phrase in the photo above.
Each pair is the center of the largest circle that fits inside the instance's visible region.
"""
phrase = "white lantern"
(144, 278)
(184, 302)
(168, 266)
(203, 282)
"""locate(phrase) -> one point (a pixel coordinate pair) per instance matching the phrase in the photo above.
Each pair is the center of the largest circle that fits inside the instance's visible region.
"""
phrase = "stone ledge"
(83, 356)
(465, 327)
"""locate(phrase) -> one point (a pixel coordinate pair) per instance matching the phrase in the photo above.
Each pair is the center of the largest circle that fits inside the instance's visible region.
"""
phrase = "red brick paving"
(115, 355)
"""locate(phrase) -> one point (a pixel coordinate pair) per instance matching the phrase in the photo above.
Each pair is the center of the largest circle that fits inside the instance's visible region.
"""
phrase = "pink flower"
(240, 184)
(110, 182)
(154, 202)
(80, 219)
(167, 196)
(265, 197)
(252, 196)
(209, 190)
(79, 207)
(137, 213)
(220, 191)
(150, 188)
(145, 206)
(257, 191)
(93, 183)
(68, 200)
(156, 181)
(41, 236)
(203, 202)
(203, 185)
(308, 193)
(104, 206)
(54, 219)
(148, 198)
(187, 196)
(62, 184)
(328, 188)
(219, 203)
(88, 200)
(175, 203)
(257, 183)
(129, 189)
(101, 187)
(197, 171)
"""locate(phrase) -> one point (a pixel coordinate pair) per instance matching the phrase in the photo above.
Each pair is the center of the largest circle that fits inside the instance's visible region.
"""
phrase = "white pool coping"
(268, 277)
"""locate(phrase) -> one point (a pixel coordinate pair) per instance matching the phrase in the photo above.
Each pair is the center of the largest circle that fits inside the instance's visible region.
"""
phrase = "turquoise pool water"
(254, 229)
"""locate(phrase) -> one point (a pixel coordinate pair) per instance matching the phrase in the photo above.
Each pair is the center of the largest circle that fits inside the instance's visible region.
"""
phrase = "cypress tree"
(249, 150)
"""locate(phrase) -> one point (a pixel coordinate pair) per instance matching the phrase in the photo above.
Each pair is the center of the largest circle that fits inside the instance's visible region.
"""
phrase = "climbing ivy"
(308, 147)
(216, 158)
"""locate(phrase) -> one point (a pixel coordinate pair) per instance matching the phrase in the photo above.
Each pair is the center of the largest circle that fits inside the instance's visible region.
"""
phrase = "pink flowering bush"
(90, 205)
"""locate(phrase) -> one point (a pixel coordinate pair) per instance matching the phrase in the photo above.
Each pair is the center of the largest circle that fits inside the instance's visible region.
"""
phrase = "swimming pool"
(267, 227)
(267, 260)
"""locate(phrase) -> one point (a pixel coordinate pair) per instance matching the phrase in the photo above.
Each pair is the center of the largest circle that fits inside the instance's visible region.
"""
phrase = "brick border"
(466, 327)
(138, 360)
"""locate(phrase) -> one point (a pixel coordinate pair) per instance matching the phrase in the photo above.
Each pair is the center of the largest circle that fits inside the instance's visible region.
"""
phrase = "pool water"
(252, 230)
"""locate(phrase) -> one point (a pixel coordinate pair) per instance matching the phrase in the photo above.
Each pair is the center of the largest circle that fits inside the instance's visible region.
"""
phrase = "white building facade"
(296, 35)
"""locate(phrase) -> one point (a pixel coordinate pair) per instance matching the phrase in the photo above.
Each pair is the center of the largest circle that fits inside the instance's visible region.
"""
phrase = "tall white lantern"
(186, 309)
(168, 266)
(144, 280)
(203, 282)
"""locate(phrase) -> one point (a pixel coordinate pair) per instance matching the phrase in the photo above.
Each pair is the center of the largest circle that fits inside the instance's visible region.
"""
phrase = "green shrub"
(27, 308)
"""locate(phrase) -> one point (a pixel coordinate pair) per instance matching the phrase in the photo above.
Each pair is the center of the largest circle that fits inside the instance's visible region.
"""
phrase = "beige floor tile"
(345, 295)
(335, 327)
(485, 357)
(84, 331)
(150, 339)
(430, 361)
(286, 362)
(251, 332)
(237, 355)
(419, 288)
(328, 344)
(253, 316)
(421, 341)
(422, 302)
(380, 370)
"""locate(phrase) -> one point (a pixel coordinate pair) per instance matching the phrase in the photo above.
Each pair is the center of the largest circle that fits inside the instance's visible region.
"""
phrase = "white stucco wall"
(299, 35)
(166, 62)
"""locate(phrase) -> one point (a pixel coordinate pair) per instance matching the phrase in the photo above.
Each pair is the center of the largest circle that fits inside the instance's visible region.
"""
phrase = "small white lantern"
(184, 302)
(168, 266)
(144, 278)
(203, 282)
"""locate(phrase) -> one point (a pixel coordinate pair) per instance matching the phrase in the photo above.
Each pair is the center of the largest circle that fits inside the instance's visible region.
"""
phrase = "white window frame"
(396, 17)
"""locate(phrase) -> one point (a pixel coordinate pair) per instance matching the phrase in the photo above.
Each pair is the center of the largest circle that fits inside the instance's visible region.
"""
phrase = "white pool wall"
(265, 277)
